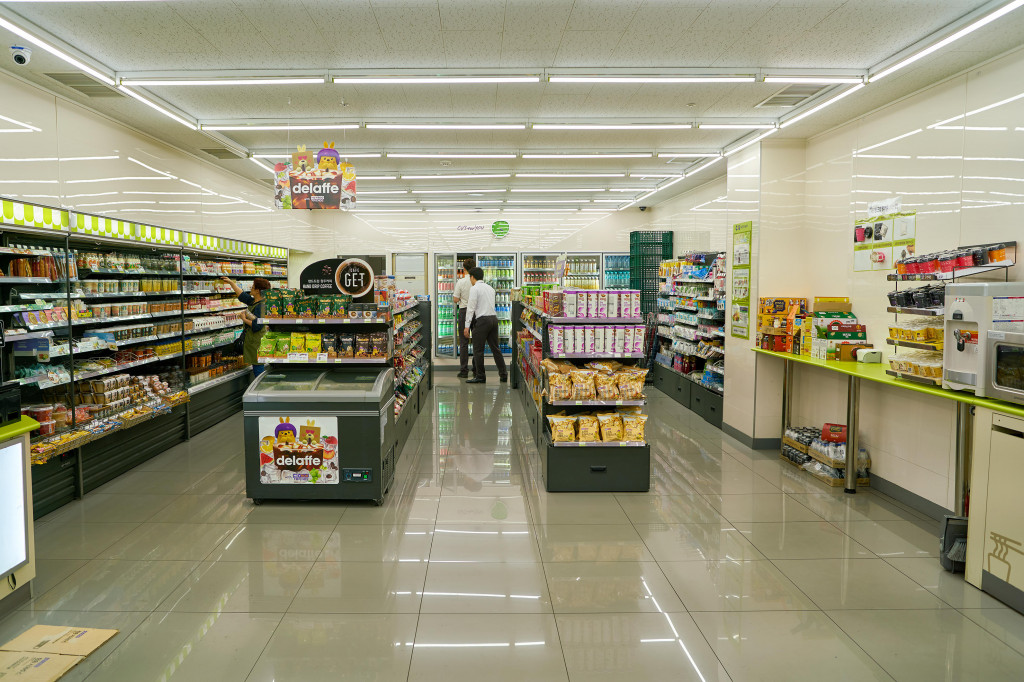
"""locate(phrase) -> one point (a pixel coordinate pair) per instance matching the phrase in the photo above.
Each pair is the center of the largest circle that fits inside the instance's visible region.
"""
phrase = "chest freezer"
(314, 434)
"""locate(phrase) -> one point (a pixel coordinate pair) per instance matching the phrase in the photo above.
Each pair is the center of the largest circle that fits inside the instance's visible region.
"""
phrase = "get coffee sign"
(354, 277)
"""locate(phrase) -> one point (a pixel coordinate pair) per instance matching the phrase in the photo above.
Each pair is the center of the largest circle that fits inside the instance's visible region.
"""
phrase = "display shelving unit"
(81, 304)
(539, 268)
(573, 467)
(690, 362)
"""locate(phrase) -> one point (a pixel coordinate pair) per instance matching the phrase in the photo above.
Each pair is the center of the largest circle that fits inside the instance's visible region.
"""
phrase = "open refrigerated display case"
(445, 311)
(583, 271)
(539, 268)
(500, 271)
(616, 270)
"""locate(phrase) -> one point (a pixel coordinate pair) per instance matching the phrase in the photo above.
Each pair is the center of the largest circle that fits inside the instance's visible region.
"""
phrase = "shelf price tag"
(321, 357)
(298, 357)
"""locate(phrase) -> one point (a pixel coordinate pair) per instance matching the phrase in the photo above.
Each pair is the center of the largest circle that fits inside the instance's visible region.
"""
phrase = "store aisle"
(734, 567)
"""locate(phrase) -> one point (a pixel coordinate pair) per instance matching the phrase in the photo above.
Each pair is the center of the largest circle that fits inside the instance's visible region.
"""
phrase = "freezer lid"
(293, 385)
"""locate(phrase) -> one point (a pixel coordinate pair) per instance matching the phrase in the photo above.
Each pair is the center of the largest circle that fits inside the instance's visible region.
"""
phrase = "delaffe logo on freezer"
(298, 450)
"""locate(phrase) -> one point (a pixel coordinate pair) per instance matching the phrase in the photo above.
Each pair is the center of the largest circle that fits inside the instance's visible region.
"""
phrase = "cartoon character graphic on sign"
(328, 158)
(296, 449)
(285, 432)
(309, 433)
(303, 160)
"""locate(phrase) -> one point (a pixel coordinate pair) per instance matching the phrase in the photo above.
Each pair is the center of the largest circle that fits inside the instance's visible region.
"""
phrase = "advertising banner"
(741, 245)
(315, 181)
(298, 450)
(352, 275)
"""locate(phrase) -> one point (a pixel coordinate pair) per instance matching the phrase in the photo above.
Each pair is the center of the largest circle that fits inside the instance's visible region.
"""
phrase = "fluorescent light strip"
(378, 177)
(596, 155)
(415, 155)
(747, 144)
(60, 54)
(559, 189)
(456, 177)
(282, 126)
(383, 191)
(813, 110)
(611, 126)
(736, 126)
(387, 201)
(970, 28)
(461, 201)
(658, 175)
(431, 80)
(651, 79)
(346, 155)
(446, 126)
(157, 107)
(611, 201)
(814, 80)
(570, 175)
(707, 165)
(143, 82)
(686, 155)
(457, 191)
(552, 201)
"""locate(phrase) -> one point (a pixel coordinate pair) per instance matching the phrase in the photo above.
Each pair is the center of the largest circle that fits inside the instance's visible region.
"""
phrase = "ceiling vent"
(222, 153)
(83, 84)
(793, 95)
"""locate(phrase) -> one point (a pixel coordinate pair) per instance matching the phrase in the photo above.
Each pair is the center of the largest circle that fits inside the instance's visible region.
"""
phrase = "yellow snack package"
(587, 428)
(631, 383)
(298, 342)
(630, 409)
(313, 343)
(559, 387)
(583, 384)
(607, 388)
(563, 428)
(611, 426)
(633, 426)
(606, 366)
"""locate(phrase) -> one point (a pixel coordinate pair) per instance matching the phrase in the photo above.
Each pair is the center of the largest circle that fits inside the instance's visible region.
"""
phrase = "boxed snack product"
(591, 304)
(602, 304)
(569, 303)
(580, 333)
(599, 339)
(569, 339)
(588, 335)
(627, 344)
(611, 426)
(555, 339)
(638, 339)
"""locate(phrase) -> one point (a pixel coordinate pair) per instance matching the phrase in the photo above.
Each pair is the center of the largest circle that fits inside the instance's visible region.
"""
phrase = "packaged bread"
(633, 427)
(563, 428)
(587, 428)
(611, 426)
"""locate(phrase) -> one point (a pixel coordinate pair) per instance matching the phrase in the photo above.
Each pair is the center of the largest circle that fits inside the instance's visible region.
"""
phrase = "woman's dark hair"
(469, 264)
(477, 274)
(260, 284)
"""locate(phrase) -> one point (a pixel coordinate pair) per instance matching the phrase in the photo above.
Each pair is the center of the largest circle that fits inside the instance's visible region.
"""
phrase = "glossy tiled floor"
(734, 567)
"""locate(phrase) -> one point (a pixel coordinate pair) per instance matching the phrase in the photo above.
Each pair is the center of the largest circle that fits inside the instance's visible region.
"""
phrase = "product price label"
(298, 357)
(321, 357)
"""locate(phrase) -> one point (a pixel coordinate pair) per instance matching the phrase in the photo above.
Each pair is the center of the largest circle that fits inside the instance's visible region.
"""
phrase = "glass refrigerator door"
(500, 272)
(584, 271)
(444, 270)
(616, 271)
(539, 268)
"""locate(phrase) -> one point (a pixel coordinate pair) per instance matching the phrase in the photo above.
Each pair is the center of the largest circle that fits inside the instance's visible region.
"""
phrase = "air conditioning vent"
(222, 153)
(792, 95)
(83, 84)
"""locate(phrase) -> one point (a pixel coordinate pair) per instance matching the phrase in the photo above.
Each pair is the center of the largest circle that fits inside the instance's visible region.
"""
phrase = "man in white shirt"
(461, 297)
(483, 320)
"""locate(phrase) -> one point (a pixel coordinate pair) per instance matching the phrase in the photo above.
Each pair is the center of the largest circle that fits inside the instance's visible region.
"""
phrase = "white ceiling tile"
(645, 49)
(533, 59)
(472, 48)
(331, 17)
(728, 18)
(602, 15)
(527, 16)
(658, 16)
(586, 48)
(478, 15)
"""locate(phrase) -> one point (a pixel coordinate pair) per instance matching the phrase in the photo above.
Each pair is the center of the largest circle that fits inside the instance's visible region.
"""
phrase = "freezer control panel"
(356, 475)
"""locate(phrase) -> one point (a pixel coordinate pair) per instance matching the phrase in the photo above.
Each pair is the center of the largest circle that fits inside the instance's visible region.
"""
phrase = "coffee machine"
(972, 311)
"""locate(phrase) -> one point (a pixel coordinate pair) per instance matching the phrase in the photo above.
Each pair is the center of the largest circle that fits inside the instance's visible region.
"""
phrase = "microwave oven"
(1004, 368)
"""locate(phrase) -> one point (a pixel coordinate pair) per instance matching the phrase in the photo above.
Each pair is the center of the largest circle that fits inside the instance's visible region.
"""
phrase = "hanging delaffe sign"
(351, 275)
(315, 181)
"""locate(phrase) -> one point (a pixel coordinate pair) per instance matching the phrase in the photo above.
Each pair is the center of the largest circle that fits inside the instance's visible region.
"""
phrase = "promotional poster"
(315, 181)
(351, 275)
(298, 449)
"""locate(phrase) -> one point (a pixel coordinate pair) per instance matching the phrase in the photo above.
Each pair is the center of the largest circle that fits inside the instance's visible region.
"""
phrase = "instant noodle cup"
(588, 428)
(563, 428)
(633, 426)
(611, 426)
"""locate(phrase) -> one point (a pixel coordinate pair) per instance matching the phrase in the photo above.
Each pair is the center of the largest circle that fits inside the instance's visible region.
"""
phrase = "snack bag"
(330, 345)
(633, 427)
(611, 426)
(298, 344)
(307, 307)
(607, 387)
(587, 428)
(340, 304)
(362, 345)
(272, 303)
(551, 366)
(559, 386)
(267, 345)
(288, 303)
(563, 428)
(631, 384)
(606, 366)
(323, 306)
(630, 409)
(313, 342)
(379, 345)
(283, 347)
(346, 346)
(583, 384)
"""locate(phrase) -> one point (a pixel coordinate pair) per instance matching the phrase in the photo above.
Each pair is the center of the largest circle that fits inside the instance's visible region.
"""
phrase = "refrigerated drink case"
(539, 268)
(584, 271)
(446, 310)
(500, 272)
(616, 271)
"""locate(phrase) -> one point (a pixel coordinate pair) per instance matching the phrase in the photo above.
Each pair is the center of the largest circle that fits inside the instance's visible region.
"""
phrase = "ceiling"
(540, 37)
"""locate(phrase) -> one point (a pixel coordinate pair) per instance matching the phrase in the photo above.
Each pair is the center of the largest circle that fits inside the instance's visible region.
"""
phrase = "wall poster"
(298, 450)
(741, 246)
(888, 235)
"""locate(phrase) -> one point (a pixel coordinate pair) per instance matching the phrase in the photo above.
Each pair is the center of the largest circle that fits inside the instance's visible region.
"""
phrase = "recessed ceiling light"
(405, 79)
(814, 80)
(592, 155)
(651, 79)
(446, 126)
(143, 82)
(282, 126)
(438, 155)
(611, 126)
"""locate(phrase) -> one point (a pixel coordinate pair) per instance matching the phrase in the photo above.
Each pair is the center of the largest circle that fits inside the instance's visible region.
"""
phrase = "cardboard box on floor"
(44, 653)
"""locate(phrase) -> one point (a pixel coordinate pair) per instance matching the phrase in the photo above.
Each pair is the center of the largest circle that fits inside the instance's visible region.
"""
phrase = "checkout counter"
(316, 434)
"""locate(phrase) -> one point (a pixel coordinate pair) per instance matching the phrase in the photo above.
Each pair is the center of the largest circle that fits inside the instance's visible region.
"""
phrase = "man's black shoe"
(475, 380)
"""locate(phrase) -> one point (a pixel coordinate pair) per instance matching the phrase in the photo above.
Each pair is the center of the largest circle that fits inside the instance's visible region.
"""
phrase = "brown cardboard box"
(59, 639)
(832, 304)
(847, 351)
(25, 666)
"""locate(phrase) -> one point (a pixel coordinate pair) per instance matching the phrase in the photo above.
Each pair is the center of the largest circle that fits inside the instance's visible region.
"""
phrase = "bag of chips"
(379, 345)
(633, 427)
(631, 383)
(607, 387)
(313, 344)
(288, 303)
(563, 428)
(272, 303)
(306, 307)
(587, 428)
(611, 426)
(323, 306)
(330, 344)
(583, 384)
(283, 347)
(340, 304)
(268, 344)
(298, 342)
(362, 345)
(606, 366)
(630, 409)
(559, 387)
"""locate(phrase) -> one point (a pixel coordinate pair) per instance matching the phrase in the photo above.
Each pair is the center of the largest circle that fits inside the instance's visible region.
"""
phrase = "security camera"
(21, 55)
(642, 208)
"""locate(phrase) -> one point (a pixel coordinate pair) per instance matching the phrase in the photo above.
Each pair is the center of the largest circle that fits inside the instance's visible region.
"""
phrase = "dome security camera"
(21, 55)
(642, 208)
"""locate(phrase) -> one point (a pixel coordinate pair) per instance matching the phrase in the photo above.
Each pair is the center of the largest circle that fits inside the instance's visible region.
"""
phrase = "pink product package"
(638, 339)
(599, 336)
(590, 341)
(602, 304)
(569, 301)
(627, 346)
(568, 340)
(581, 339)
(556, 340)
(591, 304)
(581, 304)
(619, 345)
(613, 304)
(635, 299)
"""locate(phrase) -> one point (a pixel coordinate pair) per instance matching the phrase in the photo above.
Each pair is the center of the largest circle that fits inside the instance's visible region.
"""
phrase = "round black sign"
(354, 277)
